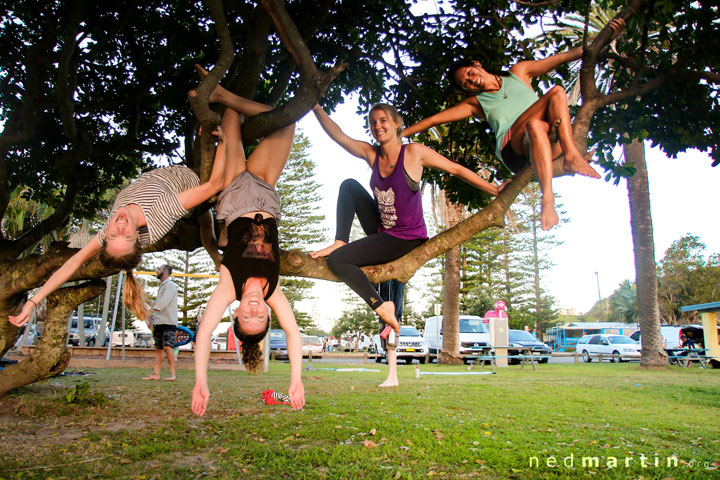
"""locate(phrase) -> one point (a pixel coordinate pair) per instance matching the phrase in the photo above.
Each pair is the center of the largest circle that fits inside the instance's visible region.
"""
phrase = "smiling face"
(121, 235)
(385, 123)
(472, 78)
(253, 313)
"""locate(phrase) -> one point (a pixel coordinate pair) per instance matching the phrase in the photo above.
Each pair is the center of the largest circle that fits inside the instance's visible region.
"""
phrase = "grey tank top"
(247, 193)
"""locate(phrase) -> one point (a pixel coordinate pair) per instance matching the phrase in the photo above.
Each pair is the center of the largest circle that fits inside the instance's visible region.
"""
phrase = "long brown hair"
(251, 353)
(133, 294)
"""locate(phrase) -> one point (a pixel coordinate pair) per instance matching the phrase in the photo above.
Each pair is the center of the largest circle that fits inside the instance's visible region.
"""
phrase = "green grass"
(510, 425)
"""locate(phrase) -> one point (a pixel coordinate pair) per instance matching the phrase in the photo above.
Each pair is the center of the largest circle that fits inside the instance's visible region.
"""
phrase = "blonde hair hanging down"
(134, 297)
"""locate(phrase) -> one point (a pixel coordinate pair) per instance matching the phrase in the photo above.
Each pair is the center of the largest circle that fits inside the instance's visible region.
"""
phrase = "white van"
(670, 333)
(474, 333)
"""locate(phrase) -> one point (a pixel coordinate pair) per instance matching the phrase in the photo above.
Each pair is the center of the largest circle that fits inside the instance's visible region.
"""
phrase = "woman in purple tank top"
(393, 220)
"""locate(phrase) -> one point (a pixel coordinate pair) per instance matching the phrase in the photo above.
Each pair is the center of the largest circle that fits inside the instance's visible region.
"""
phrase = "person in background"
(164, 323)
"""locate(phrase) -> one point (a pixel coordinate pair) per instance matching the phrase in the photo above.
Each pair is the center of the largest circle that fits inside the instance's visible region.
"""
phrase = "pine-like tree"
(300, 224)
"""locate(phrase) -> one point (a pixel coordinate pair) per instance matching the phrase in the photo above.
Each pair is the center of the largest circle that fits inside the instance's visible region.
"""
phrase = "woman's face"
(472, 78)
(253, 313)
(383, 126)
(121, 234)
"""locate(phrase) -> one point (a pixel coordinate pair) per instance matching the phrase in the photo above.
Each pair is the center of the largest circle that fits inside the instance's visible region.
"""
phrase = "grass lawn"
(614, 421)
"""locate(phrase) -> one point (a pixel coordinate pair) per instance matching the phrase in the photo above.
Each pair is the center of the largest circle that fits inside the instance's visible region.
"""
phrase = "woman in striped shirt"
(143, 212)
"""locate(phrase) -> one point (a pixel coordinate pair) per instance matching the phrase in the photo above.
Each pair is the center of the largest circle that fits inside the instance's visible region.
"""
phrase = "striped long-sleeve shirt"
(155, 192)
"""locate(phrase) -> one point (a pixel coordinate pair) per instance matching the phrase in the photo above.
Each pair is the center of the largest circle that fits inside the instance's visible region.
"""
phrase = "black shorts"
(164, 336)
(512, 161)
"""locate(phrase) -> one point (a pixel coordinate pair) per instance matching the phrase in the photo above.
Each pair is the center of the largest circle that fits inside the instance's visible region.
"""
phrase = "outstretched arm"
(280, 305)
(208, 237)
(469, 107)
(431, 159)
(354, 147)
(223, 295)
(60, 276)
(535, 68)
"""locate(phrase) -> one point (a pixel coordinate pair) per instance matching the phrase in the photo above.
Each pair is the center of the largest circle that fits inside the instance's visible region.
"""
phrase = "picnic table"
(685, 356)
(492, 353)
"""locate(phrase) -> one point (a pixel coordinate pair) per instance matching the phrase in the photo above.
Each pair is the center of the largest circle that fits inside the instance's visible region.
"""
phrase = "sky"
(596, 237)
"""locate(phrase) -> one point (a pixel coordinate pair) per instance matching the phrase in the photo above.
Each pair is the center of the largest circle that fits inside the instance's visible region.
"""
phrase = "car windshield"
(521, 336)
(472, 325)
(616, 339)
(310, 340)
(409, 332)
(277, 334)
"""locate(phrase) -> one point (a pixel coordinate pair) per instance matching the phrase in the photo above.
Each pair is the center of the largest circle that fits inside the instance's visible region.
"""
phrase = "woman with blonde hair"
(393, 216)
(143, 212)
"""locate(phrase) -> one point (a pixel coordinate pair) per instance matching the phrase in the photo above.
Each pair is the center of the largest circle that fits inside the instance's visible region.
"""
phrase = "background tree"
(301, 220)
(624, 303)
(687, 277)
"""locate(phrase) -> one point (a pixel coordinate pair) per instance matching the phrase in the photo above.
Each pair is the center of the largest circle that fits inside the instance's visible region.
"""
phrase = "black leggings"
(375, 249)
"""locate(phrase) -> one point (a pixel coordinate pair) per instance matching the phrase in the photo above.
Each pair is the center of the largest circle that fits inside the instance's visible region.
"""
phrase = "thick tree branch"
(297, 263)
(199, 97)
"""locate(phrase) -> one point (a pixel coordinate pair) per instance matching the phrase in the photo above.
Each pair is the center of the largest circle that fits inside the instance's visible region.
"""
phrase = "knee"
(557, 90)
(535, 127)
(349, 184)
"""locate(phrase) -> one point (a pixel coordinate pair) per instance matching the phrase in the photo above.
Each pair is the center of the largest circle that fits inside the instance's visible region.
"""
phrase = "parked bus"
(563, 338)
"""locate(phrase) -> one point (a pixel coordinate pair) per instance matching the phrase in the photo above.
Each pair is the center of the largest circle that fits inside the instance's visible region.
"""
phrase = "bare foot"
(171, 378)
(574, 162)
(387, 313)
(548, 217)
(154, 376)
(328, 250)
(389, 383)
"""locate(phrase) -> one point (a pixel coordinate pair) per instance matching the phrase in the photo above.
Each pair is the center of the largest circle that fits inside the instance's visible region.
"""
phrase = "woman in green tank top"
(522, 122)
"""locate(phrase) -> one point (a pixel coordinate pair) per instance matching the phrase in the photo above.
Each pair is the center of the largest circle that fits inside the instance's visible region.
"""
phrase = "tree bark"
(450, 353)
(51, 355)
(652, 354)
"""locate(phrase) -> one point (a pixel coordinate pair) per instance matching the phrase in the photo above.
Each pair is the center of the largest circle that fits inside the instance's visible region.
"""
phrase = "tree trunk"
(652, 354)
(536, 263)
(51, 355)
(451, 297)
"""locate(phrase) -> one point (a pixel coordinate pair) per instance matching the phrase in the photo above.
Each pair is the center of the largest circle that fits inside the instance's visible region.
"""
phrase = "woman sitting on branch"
(522, 121)
(394, 217)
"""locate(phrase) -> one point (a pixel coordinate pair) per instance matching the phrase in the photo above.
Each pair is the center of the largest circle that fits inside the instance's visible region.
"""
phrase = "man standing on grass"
(164, 322)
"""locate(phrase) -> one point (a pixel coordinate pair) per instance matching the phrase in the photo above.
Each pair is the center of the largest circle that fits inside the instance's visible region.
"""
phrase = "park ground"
(614, 421)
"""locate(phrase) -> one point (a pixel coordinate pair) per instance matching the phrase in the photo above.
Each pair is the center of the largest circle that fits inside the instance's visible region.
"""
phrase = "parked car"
(617, 348)
(411, 345)
(474, 334)
(278, 343)
(521, 338)
(311, 344)
(91, 325)
(117, 338)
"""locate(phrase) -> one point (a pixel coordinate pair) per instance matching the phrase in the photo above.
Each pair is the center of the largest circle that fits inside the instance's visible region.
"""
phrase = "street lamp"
(597, 277)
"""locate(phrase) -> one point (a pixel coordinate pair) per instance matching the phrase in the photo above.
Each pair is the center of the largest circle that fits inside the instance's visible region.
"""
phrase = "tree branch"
(200, 96)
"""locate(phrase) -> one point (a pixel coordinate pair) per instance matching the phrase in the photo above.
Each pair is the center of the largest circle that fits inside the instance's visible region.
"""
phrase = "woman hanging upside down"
(250, 207)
